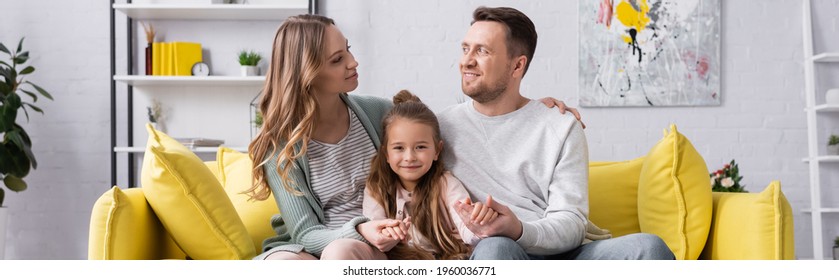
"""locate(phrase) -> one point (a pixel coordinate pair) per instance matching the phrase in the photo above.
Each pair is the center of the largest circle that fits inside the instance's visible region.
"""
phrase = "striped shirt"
(339, 173)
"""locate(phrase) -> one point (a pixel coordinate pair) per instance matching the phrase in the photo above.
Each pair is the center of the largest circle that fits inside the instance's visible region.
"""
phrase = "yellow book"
(184, 56)
(170, 61)
(156, 51)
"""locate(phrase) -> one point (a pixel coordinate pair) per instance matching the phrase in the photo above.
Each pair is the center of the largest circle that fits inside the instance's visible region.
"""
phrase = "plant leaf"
(4, 49)
(25, 113)
(40, 90)
(14, 183)
(16, 162)
(33, 107)
(34, 97)
(2, 196)
(20, 44)
(17, 138)
(27, 70)
(22, 58)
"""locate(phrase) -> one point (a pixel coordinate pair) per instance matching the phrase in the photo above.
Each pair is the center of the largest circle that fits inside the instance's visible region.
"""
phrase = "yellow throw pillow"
(123, 227)
(674, 195)
(191, 203)
(613, 195)
(236, 176)
(767, 216)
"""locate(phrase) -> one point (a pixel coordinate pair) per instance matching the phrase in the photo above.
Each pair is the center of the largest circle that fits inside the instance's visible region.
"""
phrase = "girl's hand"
(482, 213)
(371, 231)
(551, 102)
(400, 232)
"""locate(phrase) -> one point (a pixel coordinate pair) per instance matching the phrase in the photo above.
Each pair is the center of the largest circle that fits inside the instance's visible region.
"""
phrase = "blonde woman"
(314, 150)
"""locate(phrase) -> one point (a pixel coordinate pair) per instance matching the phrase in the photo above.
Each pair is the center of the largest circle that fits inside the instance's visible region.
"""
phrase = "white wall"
(414, 45)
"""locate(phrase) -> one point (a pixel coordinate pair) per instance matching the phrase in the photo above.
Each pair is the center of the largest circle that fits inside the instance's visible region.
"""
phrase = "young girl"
(407, 182)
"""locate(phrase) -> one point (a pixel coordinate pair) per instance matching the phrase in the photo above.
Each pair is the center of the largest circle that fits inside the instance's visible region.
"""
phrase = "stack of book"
(192, 143)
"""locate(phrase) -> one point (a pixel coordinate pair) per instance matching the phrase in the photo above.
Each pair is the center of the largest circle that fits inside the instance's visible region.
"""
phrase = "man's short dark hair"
(521, 33)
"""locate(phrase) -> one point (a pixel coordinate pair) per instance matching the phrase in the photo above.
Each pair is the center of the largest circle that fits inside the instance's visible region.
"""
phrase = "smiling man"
(526, 161)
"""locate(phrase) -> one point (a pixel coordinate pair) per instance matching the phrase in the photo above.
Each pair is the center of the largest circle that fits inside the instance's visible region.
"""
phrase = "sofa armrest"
(124, 227)
(753, 226)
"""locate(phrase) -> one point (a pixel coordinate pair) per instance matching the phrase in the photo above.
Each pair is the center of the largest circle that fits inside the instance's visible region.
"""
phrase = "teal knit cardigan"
(299, 226)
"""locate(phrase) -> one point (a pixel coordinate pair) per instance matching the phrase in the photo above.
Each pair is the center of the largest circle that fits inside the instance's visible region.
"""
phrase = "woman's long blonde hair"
(428, 213)
(287, 105)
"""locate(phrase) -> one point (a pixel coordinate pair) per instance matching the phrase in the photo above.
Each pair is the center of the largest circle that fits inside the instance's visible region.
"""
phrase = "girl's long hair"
(287, 104)
(428, 213)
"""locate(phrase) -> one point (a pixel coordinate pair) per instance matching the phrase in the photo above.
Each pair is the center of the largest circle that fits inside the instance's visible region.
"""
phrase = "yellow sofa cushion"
(122, 226)
(613, 195)
(674, 195)
(190, 202)
(236, 175)
(766, 216)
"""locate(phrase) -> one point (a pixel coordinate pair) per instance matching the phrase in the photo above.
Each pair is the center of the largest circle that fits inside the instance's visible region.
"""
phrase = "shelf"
(215, 12)
(139, 80)
(826, 108)
(194, 150)
(824, 159)
(823, 210)
(826, 57)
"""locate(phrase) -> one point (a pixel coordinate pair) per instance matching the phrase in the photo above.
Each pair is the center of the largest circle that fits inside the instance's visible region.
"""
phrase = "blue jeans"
(638, 246)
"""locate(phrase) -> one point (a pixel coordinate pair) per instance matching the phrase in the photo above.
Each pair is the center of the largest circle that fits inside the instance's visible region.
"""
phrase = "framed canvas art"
(649, 53)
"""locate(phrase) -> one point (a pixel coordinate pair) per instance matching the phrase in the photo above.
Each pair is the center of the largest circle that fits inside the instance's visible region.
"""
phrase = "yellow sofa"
(671, 200)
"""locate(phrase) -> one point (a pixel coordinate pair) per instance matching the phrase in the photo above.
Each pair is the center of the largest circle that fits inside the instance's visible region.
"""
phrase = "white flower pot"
(4, 214)
(832, 96)
(250, 71)
(833, 150)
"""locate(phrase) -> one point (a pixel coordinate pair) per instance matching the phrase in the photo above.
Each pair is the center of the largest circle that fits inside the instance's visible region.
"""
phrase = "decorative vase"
(4, 213)
(835, 253)
(832, 96)
(149, 60)
(833, 150)
(250, 70)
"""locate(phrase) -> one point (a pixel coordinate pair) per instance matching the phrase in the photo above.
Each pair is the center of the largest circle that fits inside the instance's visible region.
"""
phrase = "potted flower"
(833, 145)
(727, 179)
(249, 60)
(16, 149)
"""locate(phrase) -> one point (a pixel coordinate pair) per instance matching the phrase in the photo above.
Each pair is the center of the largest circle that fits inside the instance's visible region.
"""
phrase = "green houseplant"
(16, 156)
(836, 248)
(833, 145)
(249, 61)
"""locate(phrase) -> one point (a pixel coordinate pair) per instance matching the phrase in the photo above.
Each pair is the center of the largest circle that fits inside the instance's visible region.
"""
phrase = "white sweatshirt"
(533, 160)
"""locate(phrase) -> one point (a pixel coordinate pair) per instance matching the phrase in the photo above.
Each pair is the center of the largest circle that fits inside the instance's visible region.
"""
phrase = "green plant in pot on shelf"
(836, 248)
(249, 61)
(833, 145)
(16, 157)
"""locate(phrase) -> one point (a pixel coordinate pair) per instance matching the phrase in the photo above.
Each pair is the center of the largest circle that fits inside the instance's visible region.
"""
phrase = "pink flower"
(727, 182)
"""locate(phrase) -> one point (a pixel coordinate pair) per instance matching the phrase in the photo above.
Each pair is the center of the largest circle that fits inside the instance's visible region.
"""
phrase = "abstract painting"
(649, 53)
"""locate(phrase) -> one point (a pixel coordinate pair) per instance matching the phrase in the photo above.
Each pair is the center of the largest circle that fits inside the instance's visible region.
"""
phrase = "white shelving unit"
(183, 88)
(813, 111)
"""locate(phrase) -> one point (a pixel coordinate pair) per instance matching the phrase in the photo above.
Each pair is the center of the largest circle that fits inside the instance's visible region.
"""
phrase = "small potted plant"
(836, 248)
(727, 179)
(249, 61)
(833, 145)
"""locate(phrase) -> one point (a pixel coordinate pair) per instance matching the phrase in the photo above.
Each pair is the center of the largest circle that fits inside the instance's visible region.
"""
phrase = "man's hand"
(372, 232)
(505, 223)
(551, 102)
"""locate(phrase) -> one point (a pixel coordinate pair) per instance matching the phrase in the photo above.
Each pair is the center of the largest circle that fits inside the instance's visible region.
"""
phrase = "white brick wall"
(414, 45)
